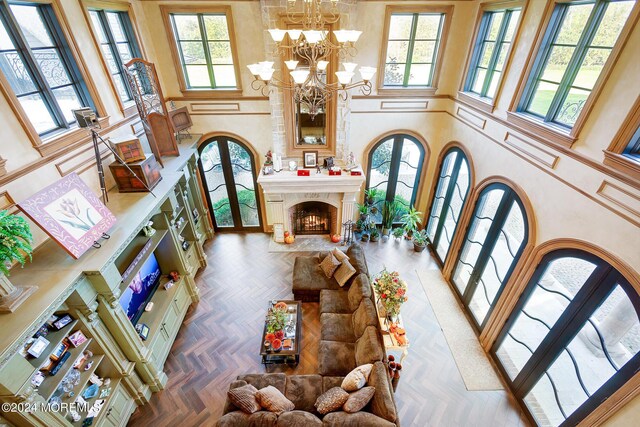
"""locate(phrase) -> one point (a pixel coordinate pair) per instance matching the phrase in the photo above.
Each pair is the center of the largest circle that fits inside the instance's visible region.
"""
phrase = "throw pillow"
(358, 400)
(329, 265)
(245, 398)
(271, 399)
(340, 256)
(331, 400)
(344, 273)
(357, 378)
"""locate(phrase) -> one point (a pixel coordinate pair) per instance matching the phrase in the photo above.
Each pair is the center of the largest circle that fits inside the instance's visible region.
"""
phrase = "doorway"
(229, 176)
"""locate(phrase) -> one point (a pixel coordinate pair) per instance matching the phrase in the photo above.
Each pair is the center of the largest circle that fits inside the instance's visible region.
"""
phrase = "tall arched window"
(228, 168)
(574, 337)
(451, 193)
(493, 244)
(395, 164)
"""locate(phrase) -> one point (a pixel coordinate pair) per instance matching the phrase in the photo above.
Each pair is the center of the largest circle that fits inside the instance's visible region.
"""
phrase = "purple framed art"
(70, 213)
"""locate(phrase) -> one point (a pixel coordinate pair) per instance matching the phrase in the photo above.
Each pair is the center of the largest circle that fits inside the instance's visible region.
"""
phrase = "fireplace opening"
(311, 218)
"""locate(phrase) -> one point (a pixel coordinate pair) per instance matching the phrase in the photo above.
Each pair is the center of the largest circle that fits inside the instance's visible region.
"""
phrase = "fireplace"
(312, 218)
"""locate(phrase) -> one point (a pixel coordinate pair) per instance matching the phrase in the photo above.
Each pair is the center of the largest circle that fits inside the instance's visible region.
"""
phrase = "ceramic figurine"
(89, 365)
(269, 158)
(351, 159)
(148, 230)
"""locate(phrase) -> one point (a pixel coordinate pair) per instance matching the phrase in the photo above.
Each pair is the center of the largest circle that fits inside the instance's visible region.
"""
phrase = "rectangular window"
(36, 61)
(118, 45)
(495, 34)
(412, 50)
(577, 43)
(204, 46)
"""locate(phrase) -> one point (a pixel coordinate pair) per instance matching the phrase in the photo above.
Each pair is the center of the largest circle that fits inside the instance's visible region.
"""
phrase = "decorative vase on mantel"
(11, 297)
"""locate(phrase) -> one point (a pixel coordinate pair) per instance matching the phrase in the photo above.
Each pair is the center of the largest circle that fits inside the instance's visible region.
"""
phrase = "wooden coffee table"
(292, 330)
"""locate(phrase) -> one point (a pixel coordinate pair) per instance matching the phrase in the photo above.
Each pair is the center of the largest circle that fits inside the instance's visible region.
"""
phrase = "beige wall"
(570, 198)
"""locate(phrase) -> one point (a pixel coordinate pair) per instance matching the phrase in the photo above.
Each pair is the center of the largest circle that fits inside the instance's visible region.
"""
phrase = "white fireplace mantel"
(285, 189)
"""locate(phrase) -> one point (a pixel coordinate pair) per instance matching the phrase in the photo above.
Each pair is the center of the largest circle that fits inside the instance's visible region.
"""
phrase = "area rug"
(304, 244)
(473, 363)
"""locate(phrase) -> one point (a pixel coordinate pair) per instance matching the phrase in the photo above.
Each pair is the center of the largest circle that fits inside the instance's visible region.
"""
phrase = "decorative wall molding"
(544, 157)
(214, 106)
(404, 105)
(621, 197)
(3, 169)
(471, 118)
(81, 161)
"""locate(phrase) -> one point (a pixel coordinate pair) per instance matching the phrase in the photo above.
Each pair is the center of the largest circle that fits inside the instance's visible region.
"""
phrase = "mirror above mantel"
(306, 131)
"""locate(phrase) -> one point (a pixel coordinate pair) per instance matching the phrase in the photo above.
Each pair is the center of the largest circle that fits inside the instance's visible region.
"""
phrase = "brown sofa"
(349, 337)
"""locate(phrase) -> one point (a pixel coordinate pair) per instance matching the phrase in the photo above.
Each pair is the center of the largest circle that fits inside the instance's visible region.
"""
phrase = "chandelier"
(308, 51)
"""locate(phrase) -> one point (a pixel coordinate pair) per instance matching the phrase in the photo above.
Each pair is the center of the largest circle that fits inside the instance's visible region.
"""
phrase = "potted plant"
(276, 319)
(420, 240)
(370, 196)
(363, 210)
(389, 212)
(15, 245)
(374, 236)
(398, 233)
(410, 221)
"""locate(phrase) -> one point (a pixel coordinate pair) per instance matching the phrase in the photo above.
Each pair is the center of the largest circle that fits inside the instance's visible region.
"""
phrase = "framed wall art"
(70, 213)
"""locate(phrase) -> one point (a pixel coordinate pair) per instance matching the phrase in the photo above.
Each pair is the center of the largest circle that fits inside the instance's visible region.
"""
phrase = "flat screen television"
(141, 289)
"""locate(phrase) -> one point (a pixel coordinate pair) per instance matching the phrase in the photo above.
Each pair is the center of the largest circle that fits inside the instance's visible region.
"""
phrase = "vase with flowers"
(392, 292)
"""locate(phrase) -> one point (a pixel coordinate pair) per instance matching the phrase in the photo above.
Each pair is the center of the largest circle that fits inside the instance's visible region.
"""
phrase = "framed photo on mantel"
(310, 158)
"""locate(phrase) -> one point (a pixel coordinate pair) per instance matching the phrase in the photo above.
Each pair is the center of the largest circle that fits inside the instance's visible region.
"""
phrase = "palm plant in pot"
(363, 210)
(15, 245)
(370, 196)
(410, 221)
(389, 212)
(419, 240)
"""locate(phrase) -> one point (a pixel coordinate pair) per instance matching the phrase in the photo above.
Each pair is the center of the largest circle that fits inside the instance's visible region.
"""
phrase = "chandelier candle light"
(308, 51)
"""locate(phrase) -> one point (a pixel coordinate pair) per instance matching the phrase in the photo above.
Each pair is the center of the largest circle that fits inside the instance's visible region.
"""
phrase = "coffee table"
(293, 331)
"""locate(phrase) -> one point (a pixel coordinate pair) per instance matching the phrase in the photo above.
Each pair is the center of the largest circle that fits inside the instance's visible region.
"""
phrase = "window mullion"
(576, 59)
(30, 62)
(491, 67)
(436, 49)
(205, 45)
(182, 60)
(485, 24)
(556, 22)
(409, 58)
(111, 41)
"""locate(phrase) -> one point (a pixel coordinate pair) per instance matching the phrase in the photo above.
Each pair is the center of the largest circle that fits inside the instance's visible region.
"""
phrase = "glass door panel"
(379, 174)
(228, 169)
(500, 262)
(481, 222)
(454, 209)
(608, 340)
(216, 185)
(441, 191)
(551, 295)
(410, 158)
(245, 188)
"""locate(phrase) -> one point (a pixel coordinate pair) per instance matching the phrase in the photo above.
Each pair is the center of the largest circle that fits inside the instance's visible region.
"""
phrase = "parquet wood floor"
(220, 339)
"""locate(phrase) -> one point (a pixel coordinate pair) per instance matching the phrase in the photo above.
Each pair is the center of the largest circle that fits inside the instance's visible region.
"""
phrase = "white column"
(348, 207)
(275, 209)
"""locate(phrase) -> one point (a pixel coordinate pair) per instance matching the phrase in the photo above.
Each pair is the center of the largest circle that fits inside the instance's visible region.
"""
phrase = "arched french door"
(492, 246)
(395, 165)
(228, 168)
(573, 338)
(450, 196)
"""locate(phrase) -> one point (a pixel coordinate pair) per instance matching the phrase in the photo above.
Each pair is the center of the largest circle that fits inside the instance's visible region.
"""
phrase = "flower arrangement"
(276, 318)
(15, 241)
(391, 290)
